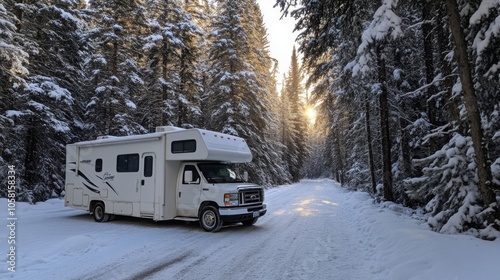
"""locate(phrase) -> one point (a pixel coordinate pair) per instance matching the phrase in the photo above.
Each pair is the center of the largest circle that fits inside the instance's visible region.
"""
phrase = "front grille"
(251, 196)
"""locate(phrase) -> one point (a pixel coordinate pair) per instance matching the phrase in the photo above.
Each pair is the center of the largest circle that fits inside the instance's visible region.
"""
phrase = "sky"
(312, 230)
(281, 36)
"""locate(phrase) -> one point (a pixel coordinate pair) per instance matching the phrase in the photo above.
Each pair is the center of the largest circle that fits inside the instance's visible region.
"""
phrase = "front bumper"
(239, 214)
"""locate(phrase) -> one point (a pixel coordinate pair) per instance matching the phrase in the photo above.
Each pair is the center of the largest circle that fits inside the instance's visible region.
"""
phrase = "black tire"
(210, 219)
(100, 215)
(250, 222)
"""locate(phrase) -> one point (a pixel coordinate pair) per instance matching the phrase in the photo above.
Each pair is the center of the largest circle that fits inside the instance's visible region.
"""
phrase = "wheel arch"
(93, 203)
(207, 203)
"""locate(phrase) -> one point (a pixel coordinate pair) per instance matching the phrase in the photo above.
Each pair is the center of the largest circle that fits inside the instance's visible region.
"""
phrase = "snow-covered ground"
(313, 230)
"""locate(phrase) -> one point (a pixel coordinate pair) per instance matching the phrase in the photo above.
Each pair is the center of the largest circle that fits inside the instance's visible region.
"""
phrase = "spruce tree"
(114, 69)
(238, 91)
(173, 77)
(13, 71)
(46, 117)
(483, 164)
(295, 132)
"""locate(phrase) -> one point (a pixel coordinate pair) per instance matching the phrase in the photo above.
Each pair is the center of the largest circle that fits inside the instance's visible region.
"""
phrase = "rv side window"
(184, 146)
(98, 165)
(148, 166)
(127, 163)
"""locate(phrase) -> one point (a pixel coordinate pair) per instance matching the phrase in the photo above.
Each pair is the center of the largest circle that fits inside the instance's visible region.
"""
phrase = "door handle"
(142, 182)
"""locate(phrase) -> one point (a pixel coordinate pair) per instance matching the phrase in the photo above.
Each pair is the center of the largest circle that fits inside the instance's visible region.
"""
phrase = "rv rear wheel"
(210, 219)
(99, 215)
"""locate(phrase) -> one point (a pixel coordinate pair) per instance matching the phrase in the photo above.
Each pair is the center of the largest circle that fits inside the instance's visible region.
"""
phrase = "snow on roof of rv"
(114, 139)
(168, 128)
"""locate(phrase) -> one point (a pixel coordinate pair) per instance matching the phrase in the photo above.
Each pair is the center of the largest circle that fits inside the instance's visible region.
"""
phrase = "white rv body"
(163, 176)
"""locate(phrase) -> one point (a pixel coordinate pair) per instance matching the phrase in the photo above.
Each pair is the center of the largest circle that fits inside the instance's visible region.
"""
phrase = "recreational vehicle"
(172, 174)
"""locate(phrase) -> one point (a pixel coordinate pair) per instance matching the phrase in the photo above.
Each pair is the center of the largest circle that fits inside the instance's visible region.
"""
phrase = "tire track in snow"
(121, 269)
(159, 267)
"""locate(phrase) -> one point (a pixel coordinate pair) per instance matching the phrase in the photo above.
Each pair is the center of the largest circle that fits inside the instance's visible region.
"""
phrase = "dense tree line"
(409, 91)
(71, 70)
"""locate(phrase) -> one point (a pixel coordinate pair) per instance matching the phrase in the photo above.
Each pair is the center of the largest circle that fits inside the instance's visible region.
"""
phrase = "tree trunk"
(20, 16)
(182, 117)
(384, 127)
(405, 150)
(471, 104)
(371, 161)
(340, 161)
(405, 156)
(164, 75)
(110, 124)
(429, 64)
(442, 35)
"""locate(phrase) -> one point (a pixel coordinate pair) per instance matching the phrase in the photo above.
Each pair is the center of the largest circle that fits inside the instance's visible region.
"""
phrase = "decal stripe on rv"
(107, 183)
(92, 189)
(96, 189)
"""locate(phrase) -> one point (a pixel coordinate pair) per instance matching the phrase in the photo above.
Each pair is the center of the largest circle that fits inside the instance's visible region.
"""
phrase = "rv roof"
(213, 146)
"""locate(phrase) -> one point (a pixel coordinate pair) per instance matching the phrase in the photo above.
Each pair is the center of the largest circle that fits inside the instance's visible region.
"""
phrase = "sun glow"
(311, 114)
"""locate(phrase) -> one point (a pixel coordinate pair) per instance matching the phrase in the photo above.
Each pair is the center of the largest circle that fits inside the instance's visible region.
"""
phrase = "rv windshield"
(219, 173)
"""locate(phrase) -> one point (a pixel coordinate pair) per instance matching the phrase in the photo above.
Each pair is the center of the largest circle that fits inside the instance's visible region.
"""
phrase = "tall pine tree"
(239, 87)
(44, 110)
(294, 130)
(114, 68)
(173, 78)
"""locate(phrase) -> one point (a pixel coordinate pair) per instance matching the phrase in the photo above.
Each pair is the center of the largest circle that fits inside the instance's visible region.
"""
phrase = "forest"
(406, 92)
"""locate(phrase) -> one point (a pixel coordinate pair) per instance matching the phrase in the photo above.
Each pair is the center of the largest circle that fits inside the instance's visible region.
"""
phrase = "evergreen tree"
(173, 53)
(455, 205)
(238, 91)
(483, 164)
(13, 61)
(114, 68)
(44, 109)
(295, 130)
(373, 53)
(13, 72)
(269, 154)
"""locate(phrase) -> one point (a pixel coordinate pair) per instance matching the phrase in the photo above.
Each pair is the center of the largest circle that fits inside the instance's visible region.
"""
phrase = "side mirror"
(188, 176)
(245, 176)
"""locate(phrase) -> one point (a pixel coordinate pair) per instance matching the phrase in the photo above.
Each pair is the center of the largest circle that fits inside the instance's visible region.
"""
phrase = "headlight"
(231, 199)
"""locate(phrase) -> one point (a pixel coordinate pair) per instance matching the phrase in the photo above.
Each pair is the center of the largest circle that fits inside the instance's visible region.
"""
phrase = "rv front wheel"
(210, 219)
(99, 215)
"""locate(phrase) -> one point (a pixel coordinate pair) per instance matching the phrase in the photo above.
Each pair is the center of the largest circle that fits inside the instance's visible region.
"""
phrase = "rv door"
(189, 191)
(147, 184)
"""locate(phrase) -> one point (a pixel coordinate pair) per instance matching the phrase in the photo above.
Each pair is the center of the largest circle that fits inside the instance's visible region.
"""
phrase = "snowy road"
(313, 230)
